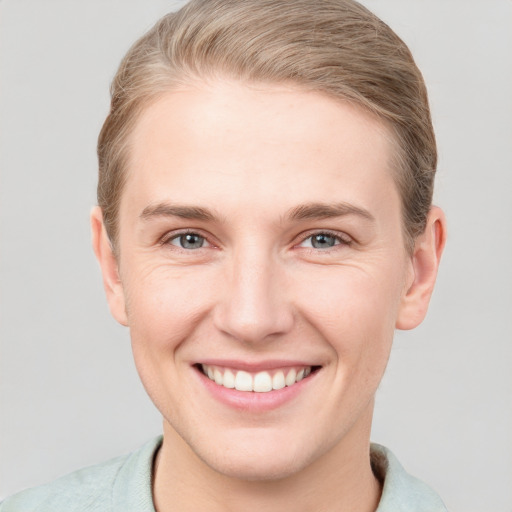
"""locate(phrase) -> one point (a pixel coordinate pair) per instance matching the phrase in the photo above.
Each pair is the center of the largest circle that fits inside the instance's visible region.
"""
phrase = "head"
(265, 213)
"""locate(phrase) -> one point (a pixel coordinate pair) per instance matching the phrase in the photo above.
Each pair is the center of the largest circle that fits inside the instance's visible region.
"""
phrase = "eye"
(188, 241)
(323, 241)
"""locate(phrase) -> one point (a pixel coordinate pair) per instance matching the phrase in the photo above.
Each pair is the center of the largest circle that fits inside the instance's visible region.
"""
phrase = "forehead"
(266, 143)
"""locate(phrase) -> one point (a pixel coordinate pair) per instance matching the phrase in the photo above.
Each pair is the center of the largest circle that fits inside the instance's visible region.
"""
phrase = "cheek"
(164, 304)
(354, 309)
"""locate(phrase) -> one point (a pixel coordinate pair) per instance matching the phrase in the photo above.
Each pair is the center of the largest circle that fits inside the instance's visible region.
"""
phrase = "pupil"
(191, 241)
(322, 240)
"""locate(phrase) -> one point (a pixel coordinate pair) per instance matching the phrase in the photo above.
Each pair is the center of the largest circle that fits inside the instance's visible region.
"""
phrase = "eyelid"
(172, 235)
(342, 237)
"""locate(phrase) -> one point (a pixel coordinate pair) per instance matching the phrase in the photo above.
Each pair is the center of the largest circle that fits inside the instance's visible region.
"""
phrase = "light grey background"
(69, 392)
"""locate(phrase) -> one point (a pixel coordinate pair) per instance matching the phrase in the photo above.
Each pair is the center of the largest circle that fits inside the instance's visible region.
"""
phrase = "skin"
(252, 158)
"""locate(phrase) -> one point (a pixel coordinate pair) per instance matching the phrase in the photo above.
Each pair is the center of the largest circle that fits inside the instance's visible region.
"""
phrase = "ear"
(424, 264)
(109, 267)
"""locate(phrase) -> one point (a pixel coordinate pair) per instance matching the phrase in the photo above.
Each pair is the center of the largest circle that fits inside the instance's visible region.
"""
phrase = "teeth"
(278, 381)
(243, 381)
(290, 378)
(217, 377)
(229, 379)
(261, 382)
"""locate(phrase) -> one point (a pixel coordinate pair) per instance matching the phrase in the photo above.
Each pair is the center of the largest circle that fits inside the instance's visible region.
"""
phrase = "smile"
(260, 382)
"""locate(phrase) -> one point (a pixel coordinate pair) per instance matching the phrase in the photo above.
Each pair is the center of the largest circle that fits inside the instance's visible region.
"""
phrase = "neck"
(341, 479)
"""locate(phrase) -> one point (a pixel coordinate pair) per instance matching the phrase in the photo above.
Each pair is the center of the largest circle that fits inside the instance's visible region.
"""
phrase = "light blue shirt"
(124, 485)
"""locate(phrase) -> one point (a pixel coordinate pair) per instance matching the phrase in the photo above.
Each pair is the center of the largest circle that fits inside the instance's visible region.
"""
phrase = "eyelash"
(169, 237)
(340, 239)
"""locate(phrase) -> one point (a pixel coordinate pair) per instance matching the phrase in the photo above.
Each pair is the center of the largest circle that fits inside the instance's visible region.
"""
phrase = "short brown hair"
(337, 47)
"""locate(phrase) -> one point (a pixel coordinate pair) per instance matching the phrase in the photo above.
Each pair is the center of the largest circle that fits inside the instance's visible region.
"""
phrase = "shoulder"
(401, 492)
(123, 483)
(87, 489)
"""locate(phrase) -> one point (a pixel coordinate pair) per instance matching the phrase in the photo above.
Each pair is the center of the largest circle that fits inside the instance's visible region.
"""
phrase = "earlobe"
(109, 267)
(425, 260)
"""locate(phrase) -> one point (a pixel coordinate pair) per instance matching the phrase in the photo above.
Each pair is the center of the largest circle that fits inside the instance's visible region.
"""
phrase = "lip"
(252, 401)
(255, 366)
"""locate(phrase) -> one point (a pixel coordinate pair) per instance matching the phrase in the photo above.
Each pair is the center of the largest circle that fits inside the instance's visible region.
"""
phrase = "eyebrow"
(308, 211)
(173, 210)
(311, 211)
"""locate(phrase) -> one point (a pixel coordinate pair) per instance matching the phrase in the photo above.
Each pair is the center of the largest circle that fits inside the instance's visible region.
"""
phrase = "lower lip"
(253, 401)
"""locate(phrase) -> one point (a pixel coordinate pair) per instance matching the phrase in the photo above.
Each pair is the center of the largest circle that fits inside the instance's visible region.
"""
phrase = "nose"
(253, 305)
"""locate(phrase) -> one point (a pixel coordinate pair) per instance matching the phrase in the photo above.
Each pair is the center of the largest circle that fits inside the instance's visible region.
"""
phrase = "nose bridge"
(254, 305)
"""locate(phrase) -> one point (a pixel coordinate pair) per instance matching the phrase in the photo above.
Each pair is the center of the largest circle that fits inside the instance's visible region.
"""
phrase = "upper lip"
(256, 366)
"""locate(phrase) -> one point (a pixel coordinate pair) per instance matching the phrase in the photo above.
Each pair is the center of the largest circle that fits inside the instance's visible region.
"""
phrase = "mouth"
(256, 382)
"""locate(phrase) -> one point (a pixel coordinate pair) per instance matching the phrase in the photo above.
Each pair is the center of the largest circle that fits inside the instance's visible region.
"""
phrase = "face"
(262, 272)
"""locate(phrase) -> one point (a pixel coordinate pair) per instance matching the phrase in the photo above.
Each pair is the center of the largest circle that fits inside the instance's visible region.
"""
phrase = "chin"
(263, 459)
(256, 469)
